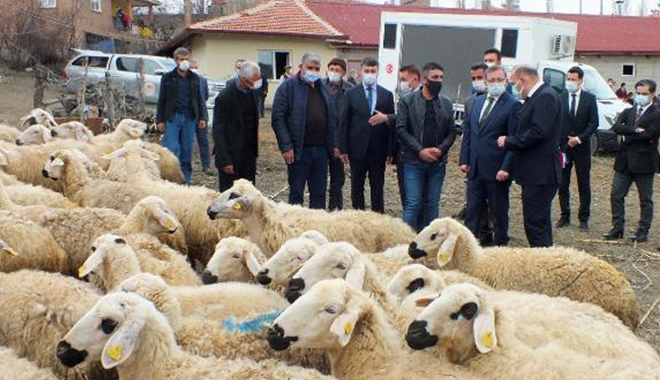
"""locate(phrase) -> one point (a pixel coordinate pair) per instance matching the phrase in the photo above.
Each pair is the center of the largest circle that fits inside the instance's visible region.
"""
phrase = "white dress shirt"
(535, 88)
(578, 94)
(483, 108)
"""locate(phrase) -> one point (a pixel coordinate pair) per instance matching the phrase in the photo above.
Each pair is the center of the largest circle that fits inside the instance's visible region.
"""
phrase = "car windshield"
(595, 84)
(167, 63)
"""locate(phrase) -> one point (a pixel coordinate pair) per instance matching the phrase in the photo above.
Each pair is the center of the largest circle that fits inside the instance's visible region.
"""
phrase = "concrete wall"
(646, 67)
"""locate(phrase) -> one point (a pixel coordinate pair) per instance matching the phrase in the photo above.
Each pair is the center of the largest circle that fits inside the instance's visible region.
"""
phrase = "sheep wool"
(13, 367)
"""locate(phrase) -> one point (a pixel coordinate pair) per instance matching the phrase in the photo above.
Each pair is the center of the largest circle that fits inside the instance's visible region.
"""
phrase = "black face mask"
(434, 87)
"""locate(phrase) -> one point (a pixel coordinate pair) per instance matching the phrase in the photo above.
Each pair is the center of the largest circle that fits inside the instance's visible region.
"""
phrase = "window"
(509, 43)
(150, 67)
(555, 79)
(96, 5)
(272, 63)
(628, 70)
(129, 64)
(389, 36)
(94, 62)
(48, 3)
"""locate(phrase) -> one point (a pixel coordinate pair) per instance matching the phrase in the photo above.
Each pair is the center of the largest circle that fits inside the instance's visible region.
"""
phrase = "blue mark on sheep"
(250, 326)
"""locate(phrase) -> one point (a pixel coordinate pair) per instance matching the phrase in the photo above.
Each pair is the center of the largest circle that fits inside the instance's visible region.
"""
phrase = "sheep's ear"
(81, 135)
(149, 155)
(114, 155)
(446, 251)
(355, 274)
(92, 262)
(46, 135)
(425, 301)
(121, 344)
(251, 262)
(485, 337)
(344, 325)
(58, 162)
(135, 133)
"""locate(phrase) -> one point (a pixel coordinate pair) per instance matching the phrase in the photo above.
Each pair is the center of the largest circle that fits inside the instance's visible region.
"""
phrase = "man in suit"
(537, 159)
(488, 167)
(236, 126)
(366, 135)
(579, 121)
(426, 130)
(636, 161)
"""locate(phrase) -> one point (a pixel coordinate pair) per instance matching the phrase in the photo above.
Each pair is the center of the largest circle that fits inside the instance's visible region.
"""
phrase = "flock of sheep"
(111, 269)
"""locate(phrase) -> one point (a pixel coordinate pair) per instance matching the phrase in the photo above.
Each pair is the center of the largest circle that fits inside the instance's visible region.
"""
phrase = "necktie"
(370, 98)
(484, 116)
(573, 104)
(640, 112)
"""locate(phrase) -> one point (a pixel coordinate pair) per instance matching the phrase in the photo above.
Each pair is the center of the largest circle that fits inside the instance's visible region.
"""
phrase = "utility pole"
(581, 8)
(187, 12)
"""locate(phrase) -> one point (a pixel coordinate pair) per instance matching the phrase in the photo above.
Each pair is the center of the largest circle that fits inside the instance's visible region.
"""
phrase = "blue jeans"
(311, 169)
(423, 185)
(179, 138)
(203, 143)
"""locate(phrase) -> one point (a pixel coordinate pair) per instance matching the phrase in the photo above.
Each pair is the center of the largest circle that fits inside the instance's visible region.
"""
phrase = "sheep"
(211, 337)
(113, 260)
(270, 224)
(73, 130)
(27, 195)
(131, 161)
(512, 335)
(36, 134)
(38, 308)
(14, 367)
(356, 334)
(188, 203)
(416, 277)
(9, 133)
(234, 259)
(138, 341)
(32, 246)
(553, 271)
(39, 116)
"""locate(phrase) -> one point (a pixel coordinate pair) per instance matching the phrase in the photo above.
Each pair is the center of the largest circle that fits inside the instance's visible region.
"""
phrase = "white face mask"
(184, 65)
(490, 64)
(257, 85)
(479, 86)
(404, 88)
(334, 77)
(369, 79)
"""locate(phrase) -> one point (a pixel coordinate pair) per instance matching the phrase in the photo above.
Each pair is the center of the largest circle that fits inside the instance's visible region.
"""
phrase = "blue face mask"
(516, 93)
(312, 76)
(496, 89)
(572, 87)
(642, 100)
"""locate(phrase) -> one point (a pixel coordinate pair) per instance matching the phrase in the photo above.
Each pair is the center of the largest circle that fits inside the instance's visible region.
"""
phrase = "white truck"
(457, 41)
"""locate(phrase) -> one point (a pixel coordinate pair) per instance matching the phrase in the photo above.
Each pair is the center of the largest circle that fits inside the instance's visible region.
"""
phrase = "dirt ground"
(641, 264)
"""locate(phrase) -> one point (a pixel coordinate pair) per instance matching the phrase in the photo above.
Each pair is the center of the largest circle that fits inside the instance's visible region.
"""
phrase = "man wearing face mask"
(338, 88)
(488, 167)
(409, 79)
(426, 131)
(236, 126)
(537, 158)
(181, 110)
(636, 161)
(366, 136)
(305, 124)
(579, 111)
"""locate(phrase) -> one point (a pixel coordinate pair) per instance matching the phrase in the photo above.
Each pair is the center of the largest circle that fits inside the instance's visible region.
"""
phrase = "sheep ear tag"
(485, 337)
(446, 251)
(121, 344)
(344, 326)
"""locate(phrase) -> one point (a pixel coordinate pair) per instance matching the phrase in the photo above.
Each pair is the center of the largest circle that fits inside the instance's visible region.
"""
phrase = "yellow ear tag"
(443, 257)
(81, 270)
(237, 206)
(115, 352)
(348, 328)
(487, 339)
(169, 224)
(10, 251)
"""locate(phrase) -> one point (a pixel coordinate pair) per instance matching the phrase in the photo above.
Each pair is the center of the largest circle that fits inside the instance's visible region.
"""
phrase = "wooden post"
(39, 84)
(140, 78)
(109, 100)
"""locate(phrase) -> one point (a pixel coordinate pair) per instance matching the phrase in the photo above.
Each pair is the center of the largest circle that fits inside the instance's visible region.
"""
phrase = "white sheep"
(234, 259)
(36, 134)
(14, 367)
(28, 195)
(511, 335)
(38, 309)
(73, 130)
(232, 338)
(113, 260)
(39, 116)
(138, 341)
(271, 224)
(356, 334)
(133, 161)
(32, 246)
(9, 133)
(555, 271)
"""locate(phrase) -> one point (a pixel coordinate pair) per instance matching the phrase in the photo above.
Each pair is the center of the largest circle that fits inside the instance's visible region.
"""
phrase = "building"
(278, 32)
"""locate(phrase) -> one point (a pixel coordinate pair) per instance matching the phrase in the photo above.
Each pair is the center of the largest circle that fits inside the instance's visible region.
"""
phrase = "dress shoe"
(638, 238)
(584, 225)
(614, 234)
(561, 223)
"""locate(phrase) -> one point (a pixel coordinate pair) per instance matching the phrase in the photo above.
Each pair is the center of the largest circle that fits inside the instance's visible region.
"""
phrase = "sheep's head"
(130, 129)
(333, 260)
(234, 260)
(55, 167)
(102, 246)
(286, 261)
(72, 130)
(236, 202)
(109, 332)
(154, 216)
(6, 249)
(39, 116)
(132, 148)
(36, 134)
(325, 318)
(413, 278)
(438, 241)
(461, 321)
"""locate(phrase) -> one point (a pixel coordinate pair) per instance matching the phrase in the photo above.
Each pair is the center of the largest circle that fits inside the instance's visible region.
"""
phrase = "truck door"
(555, 79)
(125, 76)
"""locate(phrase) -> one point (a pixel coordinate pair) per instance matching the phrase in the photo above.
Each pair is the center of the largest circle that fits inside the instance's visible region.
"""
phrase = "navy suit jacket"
(535, 141)
(479, 148)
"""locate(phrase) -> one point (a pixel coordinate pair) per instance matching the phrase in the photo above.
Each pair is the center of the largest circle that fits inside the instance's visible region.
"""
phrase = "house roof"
(357, 24)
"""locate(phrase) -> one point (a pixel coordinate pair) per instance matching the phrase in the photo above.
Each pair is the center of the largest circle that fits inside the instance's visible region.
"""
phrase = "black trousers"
(620, 187)
(337, 180)
(483, 196)
(580, 157)
(374, 167)
(537, 214)
(246, 168)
